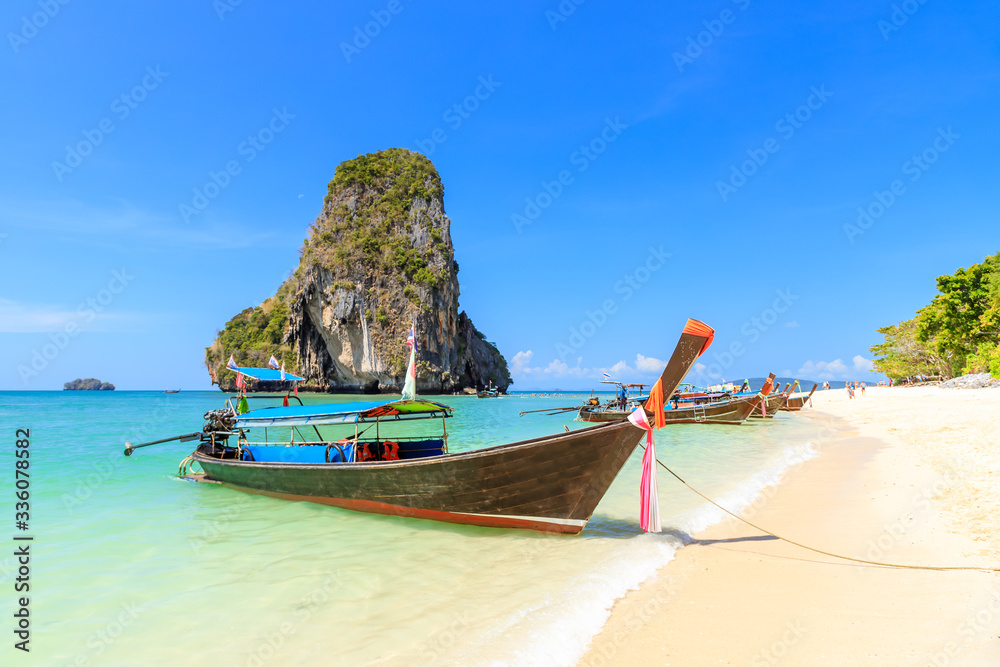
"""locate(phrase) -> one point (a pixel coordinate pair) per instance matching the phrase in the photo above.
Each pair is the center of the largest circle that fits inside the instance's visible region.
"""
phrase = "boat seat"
(418, 449)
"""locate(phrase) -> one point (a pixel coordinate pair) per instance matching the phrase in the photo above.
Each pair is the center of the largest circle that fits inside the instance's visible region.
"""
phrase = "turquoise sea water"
(131, 565)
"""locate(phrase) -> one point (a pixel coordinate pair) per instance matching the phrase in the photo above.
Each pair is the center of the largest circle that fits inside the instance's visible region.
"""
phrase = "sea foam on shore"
(557, 631)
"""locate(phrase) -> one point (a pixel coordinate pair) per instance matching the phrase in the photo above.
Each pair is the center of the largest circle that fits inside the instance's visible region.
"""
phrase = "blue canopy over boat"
(341, 413)
(266, 374)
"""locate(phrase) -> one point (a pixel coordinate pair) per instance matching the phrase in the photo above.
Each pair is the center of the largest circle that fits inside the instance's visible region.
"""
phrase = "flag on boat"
(410, 384)
(273, 363)
(649, 501)
(232, 364)
(607, 378)
(282, 369)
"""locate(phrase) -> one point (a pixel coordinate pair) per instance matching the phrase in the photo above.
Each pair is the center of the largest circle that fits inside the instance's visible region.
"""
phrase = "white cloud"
(836, 369)
(649, 364)
(823, 370)
(620, 371)
(792, 325)
(861, 364)
(519, 364)
(561, 369)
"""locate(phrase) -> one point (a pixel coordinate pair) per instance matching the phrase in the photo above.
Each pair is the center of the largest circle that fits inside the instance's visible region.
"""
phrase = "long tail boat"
(489, 392)
(733, 410)
(693, 407)
(772, 400)
(627, 397)
(796, 403)
(550, 484)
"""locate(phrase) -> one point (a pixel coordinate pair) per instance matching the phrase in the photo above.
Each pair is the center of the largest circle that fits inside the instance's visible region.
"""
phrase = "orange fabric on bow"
(655, 404)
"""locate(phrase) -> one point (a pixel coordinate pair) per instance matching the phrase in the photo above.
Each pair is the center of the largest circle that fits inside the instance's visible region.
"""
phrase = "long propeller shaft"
(129, 447)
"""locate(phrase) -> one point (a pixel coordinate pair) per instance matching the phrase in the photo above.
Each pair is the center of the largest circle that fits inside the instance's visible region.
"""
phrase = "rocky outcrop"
(379, 259)
(974, 381)
(88, 384)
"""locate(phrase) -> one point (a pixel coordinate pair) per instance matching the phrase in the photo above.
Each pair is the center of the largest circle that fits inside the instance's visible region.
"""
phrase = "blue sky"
(715, 156)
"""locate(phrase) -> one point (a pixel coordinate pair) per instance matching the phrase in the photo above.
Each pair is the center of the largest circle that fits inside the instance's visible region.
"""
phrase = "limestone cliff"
(378, 260)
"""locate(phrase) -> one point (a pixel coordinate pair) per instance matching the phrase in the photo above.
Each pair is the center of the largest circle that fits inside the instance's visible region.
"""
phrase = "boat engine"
(215, 432)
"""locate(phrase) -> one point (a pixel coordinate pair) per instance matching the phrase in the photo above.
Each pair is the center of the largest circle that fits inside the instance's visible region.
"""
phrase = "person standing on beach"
(863, 387)
(850, 390)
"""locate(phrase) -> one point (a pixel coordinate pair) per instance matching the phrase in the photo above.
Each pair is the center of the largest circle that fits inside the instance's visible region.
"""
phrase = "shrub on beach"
(986, 359)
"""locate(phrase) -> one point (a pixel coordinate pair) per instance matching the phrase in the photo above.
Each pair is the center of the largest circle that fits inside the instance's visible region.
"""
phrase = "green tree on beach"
(902, 354)
(958, 332)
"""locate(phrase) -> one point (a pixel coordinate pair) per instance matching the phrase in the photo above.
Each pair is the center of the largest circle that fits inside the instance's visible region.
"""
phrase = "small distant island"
(89, 384)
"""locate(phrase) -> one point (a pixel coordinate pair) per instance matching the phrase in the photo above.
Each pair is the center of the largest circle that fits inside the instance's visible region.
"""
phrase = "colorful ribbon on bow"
(655, 404)
(649, 502)
(763, 404)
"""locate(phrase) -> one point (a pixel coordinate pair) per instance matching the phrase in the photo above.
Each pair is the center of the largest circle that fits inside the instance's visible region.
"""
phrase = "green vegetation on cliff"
(375, 231)
(958, 332)
(252, 337)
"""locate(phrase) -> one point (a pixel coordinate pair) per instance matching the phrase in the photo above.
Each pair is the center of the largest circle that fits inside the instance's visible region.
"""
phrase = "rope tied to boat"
(820, 551)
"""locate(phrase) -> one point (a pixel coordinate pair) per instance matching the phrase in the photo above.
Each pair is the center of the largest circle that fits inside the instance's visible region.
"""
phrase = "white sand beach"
(904, 475)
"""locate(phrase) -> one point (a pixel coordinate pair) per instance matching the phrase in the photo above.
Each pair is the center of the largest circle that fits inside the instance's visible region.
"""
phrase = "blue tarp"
(408, 449)
(267, 374)
(295, 454)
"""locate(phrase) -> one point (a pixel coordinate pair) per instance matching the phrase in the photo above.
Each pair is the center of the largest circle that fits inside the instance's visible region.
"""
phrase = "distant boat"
(688, 407)
(489, 392)
(171, 391)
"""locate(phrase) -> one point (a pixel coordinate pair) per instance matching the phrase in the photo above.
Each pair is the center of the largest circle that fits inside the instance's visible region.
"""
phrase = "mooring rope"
(820, 551)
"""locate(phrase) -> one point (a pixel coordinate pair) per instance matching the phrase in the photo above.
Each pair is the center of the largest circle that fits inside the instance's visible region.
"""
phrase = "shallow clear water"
(131, 565)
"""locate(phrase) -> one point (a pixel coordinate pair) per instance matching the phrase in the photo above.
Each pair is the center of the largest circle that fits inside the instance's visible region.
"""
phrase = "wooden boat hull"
(722, 412)
(595, 413)
(728, 412)
(775, 402)
(796, 403)
(550, 484)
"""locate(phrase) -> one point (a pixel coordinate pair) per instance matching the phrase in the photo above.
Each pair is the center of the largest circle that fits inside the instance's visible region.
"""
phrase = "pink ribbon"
(649, 502)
